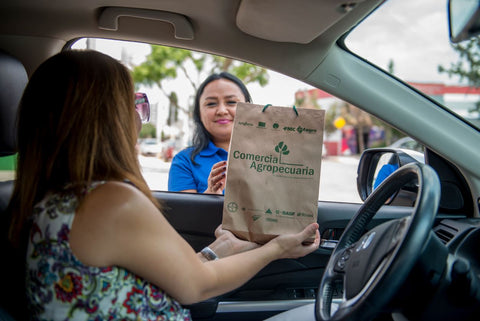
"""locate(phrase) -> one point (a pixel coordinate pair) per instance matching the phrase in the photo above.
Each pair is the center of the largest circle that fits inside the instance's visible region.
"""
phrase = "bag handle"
(268, 105)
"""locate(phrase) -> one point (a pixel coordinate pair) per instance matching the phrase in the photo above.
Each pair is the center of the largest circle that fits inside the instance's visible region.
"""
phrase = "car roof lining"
(215, 29)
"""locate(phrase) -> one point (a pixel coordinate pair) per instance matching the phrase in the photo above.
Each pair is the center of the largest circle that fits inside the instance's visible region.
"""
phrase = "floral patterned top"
(60, 287)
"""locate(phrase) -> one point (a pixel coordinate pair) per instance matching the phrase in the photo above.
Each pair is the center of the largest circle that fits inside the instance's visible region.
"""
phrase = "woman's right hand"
(292, 246)
(229, 244)
(217, 178)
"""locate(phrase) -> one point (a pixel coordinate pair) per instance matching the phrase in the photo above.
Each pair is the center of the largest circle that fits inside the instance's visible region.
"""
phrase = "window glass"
(348, 130)
(409, 39)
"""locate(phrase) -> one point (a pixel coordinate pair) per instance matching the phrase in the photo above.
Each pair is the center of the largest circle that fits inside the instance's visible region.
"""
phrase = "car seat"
(13, 79)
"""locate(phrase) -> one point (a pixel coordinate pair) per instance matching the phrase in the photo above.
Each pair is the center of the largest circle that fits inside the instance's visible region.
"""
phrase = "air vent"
(444, 235)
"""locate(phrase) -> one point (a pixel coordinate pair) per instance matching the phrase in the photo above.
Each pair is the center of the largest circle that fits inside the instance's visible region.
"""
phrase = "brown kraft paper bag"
(273, 171)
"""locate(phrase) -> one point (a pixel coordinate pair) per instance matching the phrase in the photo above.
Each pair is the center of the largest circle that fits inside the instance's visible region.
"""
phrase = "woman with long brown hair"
(99, 246)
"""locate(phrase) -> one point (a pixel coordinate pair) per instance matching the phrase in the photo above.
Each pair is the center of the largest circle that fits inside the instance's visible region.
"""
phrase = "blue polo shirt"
(185, 175)
(384, 172)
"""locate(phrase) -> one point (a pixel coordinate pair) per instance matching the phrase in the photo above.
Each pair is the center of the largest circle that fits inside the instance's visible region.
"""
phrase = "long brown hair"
(76, 124)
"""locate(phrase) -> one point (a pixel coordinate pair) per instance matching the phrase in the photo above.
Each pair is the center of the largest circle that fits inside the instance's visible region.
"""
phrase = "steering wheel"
(373, 266)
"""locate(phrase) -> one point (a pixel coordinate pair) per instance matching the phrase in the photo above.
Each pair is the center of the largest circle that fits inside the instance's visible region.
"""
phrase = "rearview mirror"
(376, 164)
(463, 19)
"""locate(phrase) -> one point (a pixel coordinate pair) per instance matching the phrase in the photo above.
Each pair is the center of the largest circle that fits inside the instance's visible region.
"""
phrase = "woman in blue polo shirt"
(201, 168)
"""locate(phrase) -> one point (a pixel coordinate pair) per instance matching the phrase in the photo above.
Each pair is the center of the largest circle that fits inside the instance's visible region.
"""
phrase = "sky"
(400, 35)
(280, 90)
(414, 33)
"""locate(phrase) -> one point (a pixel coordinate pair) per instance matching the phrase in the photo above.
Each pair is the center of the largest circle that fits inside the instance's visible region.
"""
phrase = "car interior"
(407, 251)
(13, 80)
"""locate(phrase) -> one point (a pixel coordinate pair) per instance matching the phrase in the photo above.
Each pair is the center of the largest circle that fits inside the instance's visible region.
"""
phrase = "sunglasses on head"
(142, 106)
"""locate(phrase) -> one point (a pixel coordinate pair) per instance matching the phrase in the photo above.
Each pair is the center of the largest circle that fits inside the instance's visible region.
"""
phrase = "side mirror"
(376, 164)
(463, 19)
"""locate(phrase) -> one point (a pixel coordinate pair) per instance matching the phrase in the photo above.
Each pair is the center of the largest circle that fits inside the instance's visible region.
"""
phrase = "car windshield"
(409, 39)
(412, 45)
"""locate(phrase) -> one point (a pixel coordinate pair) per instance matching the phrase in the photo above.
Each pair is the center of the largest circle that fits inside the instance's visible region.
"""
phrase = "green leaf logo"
(282, 149)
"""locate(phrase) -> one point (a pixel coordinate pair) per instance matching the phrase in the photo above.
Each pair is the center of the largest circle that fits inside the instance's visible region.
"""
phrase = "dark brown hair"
(201, 136)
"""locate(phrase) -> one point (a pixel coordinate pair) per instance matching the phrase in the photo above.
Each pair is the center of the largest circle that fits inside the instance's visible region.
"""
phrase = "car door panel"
(280, 285)
(194, 216)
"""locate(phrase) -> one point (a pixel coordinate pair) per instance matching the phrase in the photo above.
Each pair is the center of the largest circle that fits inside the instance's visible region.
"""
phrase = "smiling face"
(218, 104)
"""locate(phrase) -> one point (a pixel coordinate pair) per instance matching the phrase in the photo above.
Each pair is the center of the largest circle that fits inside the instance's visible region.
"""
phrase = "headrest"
(13, 79)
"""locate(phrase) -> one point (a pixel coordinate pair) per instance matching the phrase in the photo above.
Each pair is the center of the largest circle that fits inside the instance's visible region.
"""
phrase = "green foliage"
(468, 66)
(307, 100)
(391, 66)
(164, 63)
(299, 101)
(391, 133)
(148, 131)
(161, 64)
(330, 116)
(248, 73)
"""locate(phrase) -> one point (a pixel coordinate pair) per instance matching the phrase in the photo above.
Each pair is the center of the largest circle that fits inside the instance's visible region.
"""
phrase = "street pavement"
(337, 177)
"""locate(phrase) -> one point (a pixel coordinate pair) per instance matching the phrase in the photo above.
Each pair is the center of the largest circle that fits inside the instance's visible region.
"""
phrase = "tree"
(468, 66)
(164, 63)
(248, 73)
(391, 66)
(307, 99)
(147, 131)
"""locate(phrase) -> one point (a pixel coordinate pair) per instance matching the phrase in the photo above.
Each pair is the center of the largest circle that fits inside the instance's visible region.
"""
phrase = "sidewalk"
(338, 177)
(6, 175)
(351, 160)
(153, 164)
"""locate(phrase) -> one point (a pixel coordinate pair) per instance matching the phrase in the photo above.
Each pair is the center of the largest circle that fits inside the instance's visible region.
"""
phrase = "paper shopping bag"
(273, 171)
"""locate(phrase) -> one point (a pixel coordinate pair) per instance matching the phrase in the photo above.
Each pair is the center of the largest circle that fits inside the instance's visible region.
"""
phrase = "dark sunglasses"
(142, 106)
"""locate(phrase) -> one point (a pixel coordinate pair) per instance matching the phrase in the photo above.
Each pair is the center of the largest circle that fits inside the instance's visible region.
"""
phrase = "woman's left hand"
(217, 178)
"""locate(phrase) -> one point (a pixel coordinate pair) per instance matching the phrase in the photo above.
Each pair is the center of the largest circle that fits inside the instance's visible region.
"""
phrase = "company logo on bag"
(282, 149)
(299, 130)
(245, 123)
(274, 164)
(232, 207)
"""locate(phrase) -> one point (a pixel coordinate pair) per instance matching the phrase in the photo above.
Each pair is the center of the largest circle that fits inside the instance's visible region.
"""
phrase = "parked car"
(407, 143)
(150, 147)
(411, 262)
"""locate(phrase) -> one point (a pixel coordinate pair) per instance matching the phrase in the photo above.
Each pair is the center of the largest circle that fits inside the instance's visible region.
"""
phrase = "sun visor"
(290, 21)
